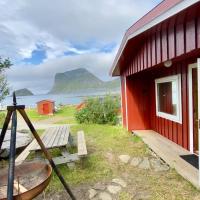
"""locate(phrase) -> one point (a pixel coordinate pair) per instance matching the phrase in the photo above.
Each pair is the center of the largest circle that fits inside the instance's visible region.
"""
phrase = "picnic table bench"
(82, 150)
(57, 137)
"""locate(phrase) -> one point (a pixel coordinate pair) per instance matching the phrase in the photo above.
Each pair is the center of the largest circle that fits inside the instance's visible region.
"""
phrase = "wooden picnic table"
(57, 137)
(54, 137)
(22, 140)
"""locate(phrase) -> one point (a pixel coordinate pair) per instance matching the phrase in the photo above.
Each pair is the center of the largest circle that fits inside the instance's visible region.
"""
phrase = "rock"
(113, 189)
(109, 156)
(124, 158)
(105, 196)
(158, 166)
(144, 164)
(119, 182)
(99, 186)
(136, 161)
(153, 153)
(142, 196)
(92, 193)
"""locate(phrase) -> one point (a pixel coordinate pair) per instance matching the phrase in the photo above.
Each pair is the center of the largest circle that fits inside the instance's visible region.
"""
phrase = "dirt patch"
(80, 192)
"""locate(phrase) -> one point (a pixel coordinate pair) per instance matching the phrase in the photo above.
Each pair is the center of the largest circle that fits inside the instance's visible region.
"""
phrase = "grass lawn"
(66, 120)
(64, 115)
(2, 118)
(105, 143)
(99, 143)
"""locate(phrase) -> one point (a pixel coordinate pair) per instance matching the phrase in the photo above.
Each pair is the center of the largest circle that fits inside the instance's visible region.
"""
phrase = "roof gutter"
(169, 13)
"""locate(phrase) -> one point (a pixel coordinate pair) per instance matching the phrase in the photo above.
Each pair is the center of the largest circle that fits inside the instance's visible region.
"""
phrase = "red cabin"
(46, 107)
(158, 64)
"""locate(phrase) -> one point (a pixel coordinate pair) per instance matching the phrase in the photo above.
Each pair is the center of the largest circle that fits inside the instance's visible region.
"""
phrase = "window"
(168, 98)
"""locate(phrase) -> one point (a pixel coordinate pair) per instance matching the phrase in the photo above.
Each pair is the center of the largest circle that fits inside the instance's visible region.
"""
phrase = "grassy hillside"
(23, 92)
(80, 80)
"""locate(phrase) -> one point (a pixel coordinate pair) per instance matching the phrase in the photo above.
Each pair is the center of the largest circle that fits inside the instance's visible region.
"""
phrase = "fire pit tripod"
(28, 167)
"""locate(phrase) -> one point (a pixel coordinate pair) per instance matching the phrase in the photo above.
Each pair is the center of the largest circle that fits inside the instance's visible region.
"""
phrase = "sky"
(43, 37)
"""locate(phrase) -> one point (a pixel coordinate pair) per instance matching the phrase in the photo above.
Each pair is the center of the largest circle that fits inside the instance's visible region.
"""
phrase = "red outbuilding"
(159, 66)
(46, 107)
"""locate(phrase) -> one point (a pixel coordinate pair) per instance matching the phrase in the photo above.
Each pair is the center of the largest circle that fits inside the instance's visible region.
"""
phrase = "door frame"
(190, 100)
(198, 83)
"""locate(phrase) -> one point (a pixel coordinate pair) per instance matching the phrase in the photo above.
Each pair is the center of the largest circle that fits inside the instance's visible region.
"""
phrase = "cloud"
(72, 34)
(39, 78)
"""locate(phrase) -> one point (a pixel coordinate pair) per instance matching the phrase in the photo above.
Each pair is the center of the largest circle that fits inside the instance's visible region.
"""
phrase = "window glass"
(168, 98)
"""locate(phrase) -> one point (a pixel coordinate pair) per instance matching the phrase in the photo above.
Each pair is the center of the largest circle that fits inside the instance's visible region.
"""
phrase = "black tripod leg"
(47, 154)
(5, 127)
(11, 172)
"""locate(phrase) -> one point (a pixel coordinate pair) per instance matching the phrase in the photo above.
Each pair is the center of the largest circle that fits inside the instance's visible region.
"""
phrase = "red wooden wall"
(141, 103)
(177, 39)
(177, 132)
(171, 39)
(138, 107)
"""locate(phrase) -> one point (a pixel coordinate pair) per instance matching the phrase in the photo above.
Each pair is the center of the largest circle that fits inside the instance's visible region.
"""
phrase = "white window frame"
(178, 117)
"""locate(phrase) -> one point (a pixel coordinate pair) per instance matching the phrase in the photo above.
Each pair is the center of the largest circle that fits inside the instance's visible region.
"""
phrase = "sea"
(64, 99)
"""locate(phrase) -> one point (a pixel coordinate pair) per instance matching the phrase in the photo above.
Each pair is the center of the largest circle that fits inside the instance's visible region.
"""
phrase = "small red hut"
(46, 107)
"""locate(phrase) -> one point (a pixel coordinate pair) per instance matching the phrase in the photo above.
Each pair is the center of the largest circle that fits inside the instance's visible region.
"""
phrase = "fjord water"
(30, 101)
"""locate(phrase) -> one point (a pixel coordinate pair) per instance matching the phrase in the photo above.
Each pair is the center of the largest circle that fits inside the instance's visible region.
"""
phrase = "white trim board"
(167, 14)
(191, 66)
(122, 109)
(126, 104)
(198, 83)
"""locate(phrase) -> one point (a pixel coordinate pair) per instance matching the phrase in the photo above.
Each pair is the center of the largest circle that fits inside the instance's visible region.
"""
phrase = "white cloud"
(40, 78)
(61, 26)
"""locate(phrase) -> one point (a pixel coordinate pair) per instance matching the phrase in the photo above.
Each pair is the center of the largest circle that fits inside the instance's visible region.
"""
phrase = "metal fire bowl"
(34, 176)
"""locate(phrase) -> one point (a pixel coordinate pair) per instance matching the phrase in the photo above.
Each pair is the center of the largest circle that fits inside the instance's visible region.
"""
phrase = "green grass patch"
(66, 111)
(94, 168)
(34, 116)
(67, 120)
(100, 139)
(104, 144)
(125, 196)
(2, 118)
(135, 138)
(106, 138)
(63, 111)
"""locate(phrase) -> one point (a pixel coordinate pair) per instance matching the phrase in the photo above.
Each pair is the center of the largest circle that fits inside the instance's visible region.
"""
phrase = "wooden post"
(11, 171)
(5, 127)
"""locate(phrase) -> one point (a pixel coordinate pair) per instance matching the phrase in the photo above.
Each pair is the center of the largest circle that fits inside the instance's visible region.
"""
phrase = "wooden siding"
(177, 39)
(172, 39)
(178, 133)
(137, 103)
(141, 103)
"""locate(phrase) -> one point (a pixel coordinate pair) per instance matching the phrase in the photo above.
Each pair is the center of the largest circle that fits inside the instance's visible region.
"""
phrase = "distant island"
(81, 80)
(23, 92)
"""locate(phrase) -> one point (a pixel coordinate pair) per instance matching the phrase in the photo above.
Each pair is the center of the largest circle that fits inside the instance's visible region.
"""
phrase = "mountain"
(81, 80)
(113, 84)
(23, 92)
